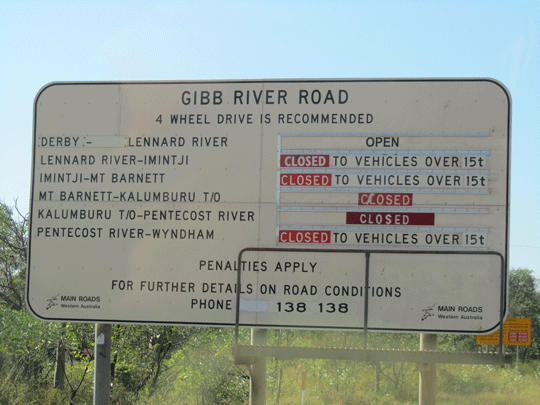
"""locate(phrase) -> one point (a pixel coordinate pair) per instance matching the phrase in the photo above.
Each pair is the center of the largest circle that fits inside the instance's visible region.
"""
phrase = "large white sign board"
(144, 194)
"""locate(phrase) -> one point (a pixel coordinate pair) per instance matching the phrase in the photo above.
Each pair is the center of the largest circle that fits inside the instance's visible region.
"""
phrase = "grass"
(351, 383)
(192, 376)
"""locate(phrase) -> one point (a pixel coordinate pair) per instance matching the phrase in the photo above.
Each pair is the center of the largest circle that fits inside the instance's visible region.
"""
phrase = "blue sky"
(45, 41)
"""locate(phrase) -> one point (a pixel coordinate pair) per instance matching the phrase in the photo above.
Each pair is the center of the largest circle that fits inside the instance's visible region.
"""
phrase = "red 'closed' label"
(306, 179)
(305, 161)
(390, 218)
(389, 199)
(311, 236)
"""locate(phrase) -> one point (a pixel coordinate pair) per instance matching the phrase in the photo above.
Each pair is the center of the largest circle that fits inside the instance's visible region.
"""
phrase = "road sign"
(145, 193)
(516, 332)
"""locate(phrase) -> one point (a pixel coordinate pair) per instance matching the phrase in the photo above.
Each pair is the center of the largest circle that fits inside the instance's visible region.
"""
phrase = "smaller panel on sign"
(305, 290)
(427, 294)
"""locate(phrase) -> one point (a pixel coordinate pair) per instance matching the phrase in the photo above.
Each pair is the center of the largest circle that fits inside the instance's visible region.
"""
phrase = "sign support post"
(257, 394)
(60, 361)
(102, 366)
(428, 373)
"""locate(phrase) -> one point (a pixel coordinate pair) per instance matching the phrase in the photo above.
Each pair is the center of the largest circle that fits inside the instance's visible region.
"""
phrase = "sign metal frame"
(365, 327)
(120, 138)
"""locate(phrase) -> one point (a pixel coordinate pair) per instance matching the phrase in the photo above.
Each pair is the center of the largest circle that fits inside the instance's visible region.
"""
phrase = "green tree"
(141, 355)
(13, 251)
(524, 302)
(202, 373)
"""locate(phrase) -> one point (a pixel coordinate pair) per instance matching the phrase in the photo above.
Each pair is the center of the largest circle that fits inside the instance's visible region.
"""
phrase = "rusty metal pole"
(427, 387)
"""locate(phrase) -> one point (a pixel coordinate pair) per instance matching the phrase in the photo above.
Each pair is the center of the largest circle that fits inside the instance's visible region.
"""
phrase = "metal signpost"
(145, 193)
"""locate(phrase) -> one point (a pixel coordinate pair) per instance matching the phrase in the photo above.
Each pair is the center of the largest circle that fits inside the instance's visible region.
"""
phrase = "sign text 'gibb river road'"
(327, 195)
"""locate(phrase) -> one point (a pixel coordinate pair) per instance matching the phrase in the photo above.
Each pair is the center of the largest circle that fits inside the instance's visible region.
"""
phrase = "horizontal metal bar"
(393, 152)
(386, 134)
(249, 355)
